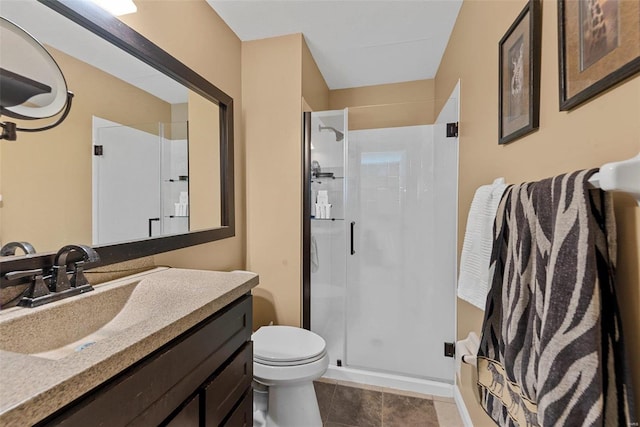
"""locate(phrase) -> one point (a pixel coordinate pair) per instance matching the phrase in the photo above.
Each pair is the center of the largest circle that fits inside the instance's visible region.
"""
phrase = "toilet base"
(293, 405)
(260, 404)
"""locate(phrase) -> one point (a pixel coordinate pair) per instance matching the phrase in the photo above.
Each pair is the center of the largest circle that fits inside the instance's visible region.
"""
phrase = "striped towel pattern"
(551, 352)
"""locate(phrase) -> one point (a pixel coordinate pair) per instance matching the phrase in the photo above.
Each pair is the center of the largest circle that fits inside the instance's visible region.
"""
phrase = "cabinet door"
(189, 416)
(229, 386)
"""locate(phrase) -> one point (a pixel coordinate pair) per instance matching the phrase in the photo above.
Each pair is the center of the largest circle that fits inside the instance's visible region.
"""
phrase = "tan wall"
(193, 33)
(179, 114)
(204, 164)
(314, 89)
(272, 92)
(280, 79)
(390, 105)
(606, 129)
(47, 175)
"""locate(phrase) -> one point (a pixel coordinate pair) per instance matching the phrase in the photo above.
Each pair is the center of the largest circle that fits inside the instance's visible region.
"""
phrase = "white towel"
(473, 283)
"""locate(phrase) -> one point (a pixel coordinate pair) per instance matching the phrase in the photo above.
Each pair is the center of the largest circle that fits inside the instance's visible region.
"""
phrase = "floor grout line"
(333, 393)
(382, 411)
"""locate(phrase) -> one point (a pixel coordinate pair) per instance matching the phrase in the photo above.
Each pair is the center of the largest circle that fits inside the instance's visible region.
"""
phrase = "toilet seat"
(271, 375)
(288, 362)
(287, 346)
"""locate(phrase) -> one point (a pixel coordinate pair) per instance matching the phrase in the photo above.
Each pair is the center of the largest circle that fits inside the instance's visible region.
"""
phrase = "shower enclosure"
(140, 175)
(379, 276)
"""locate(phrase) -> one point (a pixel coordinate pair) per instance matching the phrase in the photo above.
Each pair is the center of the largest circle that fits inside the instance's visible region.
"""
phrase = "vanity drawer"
(226, 389)
(150, 391)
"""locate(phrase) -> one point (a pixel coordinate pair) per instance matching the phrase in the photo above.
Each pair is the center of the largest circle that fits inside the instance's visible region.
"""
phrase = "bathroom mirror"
(54, 192)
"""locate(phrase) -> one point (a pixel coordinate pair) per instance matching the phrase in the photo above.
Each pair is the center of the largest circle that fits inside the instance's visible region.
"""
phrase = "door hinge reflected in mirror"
(97, 150)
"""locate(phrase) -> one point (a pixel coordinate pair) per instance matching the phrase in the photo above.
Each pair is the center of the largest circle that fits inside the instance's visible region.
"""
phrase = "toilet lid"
(273, 344)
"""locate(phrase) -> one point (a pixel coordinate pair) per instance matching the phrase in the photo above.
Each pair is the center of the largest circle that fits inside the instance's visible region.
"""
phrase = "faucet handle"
(78, 278)
(15, 275)
(37, 288)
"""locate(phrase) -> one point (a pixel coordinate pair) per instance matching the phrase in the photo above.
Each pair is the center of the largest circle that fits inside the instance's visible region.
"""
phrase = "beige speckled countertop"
(33, 387)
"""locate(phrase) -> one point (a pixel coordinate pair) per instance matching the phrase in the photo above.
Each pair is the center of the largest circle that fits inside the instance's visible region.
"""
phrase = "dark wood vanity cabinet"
(201, 378)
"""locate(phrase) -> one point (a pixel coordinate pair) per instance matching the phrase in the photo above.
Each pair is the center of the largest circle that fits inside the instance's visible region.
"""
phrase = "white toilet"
(287, 360)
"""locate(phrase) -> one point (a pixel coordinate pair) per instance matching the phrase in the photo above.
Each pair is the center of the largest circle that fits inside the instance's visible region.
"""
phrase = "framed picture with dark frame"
(519, 75)
(598, 47)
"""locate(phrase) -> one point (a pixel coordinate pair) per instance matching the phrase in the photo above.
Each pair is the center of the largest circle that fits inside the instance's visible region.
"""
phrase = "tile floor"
(345, 404)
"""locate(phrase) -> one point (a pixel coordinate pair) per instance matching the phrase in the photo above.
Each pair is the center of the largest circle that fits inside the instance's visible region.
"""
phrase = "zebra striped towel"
(551, 352)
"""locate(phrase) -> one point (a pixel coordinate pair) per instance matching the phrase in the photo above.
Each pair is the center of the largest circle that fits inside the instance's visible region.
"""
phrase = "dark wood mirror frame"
(119, 34)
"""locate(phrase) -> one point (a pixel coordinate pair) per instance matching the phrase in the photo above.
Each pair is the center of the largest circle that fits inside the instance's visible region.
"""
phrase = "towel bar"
(619, 176)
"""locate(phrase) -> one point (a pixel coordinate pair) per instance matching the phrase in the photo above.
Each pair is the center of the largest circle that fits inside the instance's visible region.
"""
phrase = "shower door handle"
(353, 226)
(151, 220)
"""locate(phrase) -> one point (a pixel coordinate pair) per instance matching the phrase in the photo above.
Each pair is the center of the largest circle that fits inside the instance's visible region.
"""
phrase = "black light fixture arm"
(9, 129)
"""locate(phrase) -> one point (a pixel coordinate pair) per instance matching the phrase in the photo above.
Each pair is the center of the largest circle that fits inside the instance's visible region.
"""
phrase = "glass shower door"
(398, 313)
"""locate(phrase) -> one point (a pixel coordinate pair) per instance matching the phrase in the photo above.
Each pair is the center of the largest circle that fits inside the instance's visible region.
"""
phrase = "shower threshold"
(380, 379)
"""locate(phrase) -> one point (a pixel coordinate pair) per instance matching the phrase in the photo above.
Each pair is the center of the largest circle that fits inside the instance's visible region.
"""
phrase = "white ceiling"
(354, 42)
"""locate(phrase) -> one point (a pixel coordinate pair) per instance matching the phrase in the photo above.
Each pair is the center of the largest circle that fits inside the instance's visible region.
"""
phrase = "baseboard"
(462, 408)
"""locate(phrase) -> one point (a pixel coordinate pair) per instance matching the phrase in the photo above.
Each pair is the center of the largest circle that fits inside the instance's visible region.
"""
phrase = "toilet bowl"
(286, 360)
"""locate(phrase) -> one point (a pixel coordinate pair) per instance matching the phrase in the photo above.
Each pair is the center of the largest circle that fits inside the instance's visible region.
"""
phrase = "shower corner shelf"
(320, 179)
(185, 179)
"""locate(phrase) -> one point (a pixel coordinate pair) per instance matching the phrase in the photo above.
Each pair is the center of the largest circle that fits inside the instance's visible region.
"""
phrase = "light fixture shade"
(16, 89)
(31, 83)
(117, 7)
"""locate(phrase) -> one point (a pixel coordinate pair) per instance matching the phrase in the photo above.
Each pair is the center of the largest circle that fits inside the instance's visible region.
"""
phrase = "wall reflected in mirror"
(158, 169)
